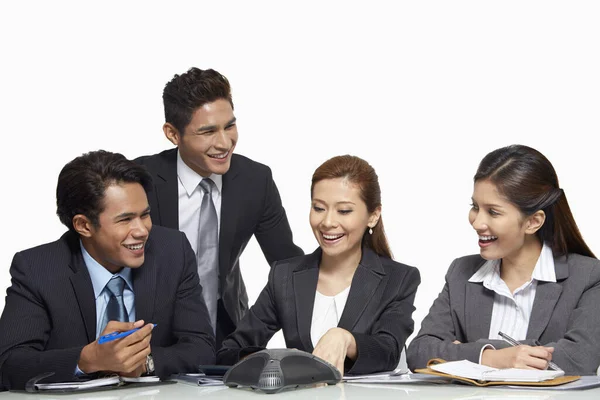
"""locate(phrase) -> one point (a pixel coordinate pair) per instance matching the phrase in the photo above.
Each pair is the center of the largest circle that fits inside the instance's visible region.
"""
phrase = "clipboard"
(455, 378)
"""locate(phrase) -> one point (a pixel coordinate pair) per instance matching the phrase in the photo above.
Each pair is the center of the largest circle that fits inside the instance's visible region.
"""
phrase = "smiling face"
(339, 217)
(502, 229)
(119, 239)
(207, 142)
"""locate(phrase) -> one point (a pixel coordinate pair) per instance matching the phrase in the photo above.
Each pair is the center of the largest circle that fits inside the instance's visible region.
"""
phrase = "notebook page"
(464, 368)
(471, 370)
(521, 375)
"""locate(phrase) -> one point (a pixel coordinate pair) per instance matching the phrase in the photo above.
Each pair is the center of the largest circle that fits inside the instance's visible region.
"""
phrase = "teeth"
(134, 246)
(487, 237)
(332, 237)
(219, 156)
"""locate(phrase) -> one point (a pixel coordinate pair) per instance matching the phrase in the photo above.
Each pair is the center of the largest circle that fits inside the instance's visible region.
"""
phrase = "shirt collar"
(543, 270)
(190, 179)
(100, 275)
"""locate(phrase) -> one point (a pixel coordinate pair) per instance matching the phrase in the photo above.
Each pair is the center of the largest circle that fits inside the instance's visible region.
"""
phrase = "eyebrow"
(339, 202)
(206, 128)
(132, 214)
(487, 204)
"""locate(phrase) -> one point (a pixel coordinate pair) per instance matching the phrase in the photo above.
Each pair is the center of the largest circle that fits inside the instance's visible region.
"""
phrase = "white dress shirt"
(511, 311)
(327, 312)
(190, 197)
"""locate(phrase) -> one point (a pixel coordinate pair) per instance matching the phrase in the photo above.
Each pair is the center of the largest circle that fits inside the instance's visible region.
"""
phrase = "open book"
(482, 375)
(110, 382)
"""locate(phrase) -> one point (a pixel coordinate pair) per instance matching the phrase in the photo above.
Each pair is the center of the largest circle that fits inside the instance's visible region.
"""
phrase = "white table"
(345, 391)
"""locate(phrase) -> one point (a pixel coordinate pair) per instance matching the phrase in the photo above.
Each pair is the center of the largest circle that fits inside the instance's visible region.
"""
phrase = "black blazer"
(378, 311)
(250, 205)
(50, 311)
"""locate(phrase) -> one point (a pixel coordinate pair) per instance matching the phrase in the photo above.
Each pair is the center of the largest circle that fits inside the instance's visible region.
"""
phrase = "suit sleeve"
(255, 329)
(578, 351)
(273, 231)
(437, 334)
(24, 331)
(193, 338)
(380, 349)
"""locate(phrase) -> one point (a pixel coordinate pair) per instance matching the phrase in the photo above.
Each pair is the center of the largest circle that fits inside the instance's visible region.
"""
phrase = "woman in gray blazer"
(347, 302)
(534, 280)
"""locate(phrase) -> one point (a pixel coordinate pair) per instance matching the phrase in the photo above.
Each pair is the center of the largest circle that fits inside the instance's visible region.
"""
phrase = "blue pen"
(118, 335)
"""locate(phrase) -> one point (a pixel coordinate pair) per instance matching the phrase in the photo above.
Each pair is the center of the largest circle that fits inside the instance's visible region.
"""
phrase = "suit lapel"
(230, 198)
(479, 303)
(546, 296)
(82, 286)
(366, 279)
(305, 280)
(167, 192)
(144, 286)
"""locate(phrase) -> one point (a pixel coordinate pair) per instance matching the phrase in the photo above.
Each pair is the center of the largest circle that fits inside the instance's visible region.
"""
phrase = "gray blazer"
(565, 316)
(378, 311)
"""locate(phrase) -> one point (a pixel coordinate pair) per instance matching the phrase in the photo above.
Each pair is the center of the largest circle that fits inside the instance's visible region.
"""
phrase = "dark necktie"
(115, 309)
(208, 250)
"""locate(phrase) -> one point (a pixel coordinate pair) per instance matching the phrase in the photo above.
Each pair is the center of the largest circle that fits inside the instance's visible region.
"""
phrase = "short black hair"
(83, 181)
(187, 92)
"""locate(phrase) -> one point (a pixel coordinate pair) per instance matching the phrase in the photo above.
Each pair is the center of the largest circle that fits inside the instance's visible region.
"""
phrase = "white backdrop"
(422, 90)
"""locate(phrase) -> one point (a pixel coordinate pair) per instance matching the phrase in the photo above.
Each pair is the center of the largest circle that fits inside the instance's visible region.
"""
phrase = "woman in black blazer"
(347, 302)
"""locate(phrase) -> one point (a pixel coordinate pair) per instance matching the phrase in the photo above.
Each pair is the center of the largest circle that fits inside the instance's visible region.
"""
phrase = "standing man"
(110, 272)
(219, 199)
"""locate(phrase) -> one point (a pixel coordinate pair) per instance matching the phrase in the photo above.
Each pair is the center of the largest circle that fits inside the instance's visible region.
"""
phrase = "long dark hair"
(360, 173)
(527, 179)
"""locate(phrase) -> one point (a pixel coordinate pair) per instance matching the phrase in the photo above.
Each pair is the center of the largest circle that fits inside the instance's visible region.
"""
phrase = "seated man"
(110, 269)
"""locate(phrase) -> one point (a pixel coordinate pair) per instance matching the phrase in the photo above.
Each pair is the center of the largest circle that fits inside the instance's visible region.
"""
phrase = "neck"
(520, 266)
(342, 264)
(89, 247)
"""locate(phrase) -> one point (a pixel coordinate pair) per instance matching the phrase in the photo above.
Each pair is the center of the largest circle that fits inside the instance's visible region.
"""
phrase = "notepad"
(471, 370)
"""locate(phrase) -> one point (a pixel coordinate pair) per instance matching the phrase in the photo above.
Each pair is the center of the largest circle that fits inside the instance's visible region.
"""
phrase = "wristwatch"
(149, 365)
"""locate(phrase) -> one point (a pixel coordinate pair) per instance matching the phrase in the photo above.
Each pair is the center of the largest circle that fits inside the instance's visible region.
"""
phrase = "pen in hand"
(118, 335)
(514, 342)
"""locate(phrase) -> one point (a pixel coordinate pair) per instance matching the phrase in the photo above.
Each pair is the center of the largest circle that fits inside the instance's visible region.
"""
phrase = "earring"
(370, 231)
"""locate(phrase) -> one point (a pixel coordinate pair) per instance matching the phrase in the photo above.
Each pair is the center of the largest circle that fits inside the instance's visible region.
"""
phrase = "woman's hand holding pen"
(126, 356)
(521, 356)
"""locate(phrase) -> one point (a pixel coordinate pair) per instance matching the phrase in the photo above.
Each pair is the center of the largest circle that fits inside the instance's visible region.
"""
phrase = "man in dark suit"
(203, 174)
(110, 269)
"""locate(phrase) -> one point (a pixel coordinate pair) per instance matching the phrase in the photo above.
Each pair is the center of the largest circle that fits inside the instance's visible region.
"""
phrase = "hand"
(335, 346)
(523, 356)
(136, 373)
(124, 355)
(456, 342)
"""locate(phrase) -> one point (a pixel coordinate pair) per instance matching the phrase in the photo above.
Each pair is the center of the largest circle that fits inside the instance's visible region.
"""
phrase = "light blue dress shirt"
(100, 277)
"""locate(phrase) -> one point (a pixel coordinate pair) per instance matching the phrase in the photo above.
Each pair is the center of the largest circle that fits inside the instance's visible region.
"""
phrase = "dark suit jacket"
(250, 205)
(564, 315)
(378, 311)
(50, 311)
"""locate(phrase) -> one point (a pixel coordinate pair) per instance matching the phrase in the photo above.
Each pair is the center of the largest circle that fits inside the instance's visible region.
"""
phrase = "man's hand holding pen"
(125, 356)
